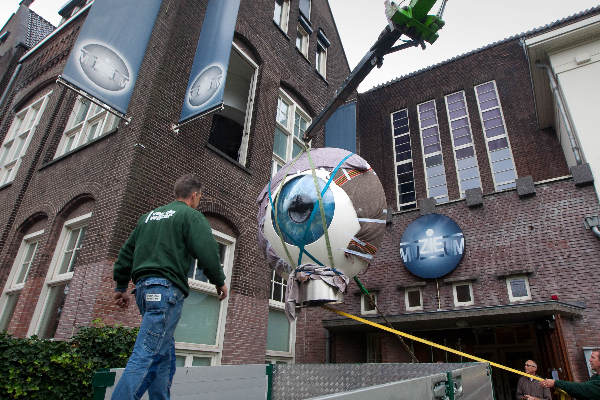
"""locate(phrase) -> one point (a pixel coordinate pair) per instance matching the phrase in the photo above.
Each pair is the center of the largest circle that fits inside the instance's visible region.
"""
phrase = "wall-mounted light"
(593, 223)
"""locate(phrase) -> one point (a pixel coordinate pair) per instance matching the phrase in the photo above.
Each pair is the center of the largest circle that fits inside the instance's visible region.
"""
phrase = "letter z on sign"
(153, 296)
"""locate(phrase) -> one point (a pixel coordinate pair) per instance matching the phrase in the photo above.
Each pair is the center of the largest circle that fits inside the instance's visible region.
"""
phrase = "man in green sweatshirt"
(589, 390)
(157, 257)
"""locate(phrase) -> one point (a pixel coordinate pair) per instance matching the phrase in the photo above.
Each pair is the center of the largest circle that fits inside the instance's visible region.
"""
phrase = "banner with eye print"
(106, 58)
(209, 69)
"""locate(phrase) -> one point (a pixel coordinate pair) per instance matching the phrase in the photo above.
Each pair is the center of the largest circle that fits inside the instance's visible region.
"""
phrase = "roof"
(522, 35)
(37, 29)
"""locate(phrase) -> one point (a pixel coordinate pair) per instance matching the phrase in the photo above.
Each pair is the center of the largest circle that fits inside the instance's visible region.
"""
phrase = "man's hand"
(548, 383)
(121, 299)
(222, 292)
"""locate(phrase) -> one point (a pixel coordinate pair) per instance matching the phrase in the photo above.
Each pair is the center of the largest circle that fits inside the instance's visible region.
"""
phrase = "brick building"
(74, 178)
(476, 140)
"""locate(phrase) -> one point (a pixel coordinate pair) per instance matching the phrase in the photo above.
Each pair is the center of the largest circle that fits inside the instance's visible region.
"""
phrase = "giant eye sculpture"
(321, 219)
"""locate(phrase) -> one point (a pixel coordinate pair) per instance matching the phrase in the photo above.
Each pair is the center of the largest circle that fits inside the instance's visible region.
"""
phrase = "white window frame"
(19, 139)
(512, 298)
(284, 14)
(214, 352)
(463, 146)
(407, 161)
(487, 140)
(321, 62)
(282, 356)
(52, 277)
(466, 303)
(12, 288)
(407, 303)
(303, 36)
(364, 301)
(189, 357)
(309, 10)
(289, 130)
(440, 152)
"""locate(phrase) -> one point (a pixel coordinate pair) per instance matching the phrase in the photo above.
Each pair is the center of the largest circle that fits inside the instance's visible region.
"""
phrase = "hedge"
(34, 368)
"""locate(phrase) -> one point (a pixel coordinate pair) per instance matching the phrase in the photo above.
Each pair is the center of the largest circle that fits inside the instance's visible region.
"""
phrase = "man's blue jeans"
(152, 364)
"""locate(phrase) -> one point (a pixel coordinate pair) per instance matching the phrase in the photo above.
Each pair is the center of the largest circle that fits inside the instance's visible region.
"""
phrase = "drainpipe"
(562, 111)
(596, 231)
(9, 85)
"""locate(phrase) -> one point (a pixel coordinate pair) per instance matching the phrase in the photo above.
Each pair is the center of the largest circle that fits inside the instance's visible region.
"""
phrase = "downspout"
(10, 83)
(562, 111)
(596, 231)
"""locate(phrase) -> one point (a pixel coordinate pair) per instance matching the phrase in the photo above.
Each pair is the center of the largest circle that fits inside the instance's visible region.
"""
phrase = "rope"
(429, 343)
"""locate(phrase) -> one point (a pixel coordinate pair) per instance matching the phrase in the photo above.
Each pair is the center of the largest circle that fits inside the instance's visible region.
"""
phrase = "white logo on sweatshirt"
(158, 215)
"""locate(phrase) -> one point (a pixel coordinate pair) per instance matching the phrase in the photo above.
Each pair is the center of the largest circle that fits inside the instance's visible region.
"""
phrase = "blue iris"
(298, 212)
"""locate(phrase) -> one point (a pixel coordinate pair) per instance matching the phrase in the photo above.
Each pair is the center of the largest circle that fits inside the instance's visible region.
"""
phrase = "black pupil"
(300, 208)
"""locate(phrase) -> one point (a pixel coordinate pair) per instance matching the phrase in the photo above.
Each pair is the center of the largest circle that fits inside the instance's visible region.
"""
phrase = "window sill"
(6, 185)
(281, 30)
(62, 157)
(226, 157)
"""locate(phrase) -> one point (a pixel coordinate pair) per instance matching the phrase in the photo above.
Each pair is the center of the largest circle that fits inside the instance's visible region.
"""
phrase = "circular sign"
(432, 246)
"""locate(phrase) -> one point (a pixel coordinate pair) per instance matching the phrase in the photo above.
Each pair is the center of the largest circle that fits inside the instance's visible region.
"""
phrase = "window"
(302, 41)
(17, 277)
(373, 348)
(18, 138)
(435, 173)
(305, 6)
(365, 304)
(230, 130)
(413, 299)
(291, 123)
(405, 181)
(281, 334)
(467, 168)
(281, 14)
(321, 59)
(518, 288)
(58, 278)
(199, 334)
(88, 121)
(496, 138)
(463, 294)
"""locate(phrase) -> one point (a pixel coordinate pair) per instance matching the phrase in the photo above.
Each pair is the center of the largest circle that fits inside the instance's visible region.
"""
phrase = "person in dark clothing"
(589, 390)
(157, 257)
(530, 389)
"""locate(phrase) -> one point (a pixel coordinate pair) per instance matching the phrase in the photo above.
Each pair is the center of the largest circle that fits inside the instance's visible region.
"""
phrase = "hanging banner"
(340, 128)
(209, 70)
(105, 60)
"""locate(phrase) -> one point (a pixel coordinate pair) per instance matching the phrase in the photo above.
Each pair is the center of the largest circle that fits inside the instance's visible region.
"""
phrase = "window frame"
(284, 15)
(440, 152)
(11, 288)
(455, 296)
(289, 130)
(363, 303)
(512, 298)
(321, 62)
(406, 300)
(304, 38)
(493, 138)
(53, 279)
(212, 351)
(455, 148)
(9, 168)
(279, 306)
(79, 131)
(403, 206)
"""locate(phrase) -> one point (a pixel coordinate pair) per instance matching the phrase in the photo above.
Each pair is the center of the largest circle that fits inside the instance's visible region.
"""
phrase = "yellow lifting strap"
(427, 342)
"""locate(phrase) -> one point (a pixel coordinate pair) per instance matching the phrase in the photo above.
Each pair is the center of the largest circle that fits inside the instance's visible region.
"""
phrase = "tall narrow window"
(403, 162)
(467, 168)
(17, 277)
(291, 123)
(199, 334)
(305, 6)
(88, 121)
(281, 14)
(302, 41)
(435, 174)
(56, 286)
(230, 130)
(281, 334)
(18, 138)
(496, 138)
(321, 59)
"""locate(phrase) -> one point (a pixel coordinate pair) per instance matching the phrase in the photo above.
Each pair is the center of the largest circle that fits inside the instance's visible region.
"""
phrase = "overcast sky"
(470, 24)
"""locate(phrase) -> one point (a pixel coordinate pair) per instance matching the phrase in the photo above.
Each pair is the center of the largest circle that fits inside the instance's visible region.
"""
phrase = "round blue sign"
(432, 246)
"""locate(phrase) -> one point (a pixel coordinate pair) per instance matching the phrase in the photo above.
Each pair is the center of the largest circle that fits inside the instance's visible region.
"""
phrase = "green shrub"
(34, 368)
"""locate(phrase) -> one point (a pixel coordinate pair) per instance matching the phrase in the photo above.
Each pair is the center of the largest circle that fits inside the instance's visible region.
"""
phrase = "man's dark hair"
(186, 185)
